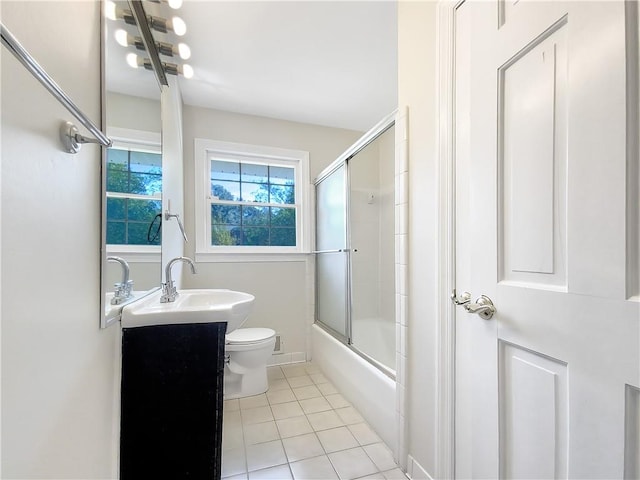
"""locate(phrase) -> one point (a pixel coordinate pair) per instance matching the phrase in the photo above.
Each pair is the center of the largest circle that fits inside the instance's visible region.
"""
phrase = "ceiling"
(331, 63)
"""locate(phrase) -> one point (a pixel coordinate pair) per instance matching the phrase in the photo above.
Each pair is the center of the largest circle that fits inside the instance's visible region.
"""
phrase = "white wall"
(416, 89)
(172, 177)
(58, 367)
(137, 113)
(283, 290)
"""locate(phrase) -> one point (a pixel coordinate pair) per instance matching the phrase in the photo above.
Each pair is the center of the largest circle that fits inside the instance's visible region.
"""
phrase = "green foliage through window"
(132, 176)
(243, 209)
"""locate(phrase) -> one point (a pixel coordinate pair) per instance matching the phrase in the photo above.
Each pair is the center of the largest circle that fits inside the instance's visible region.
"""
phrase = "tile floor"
(301, 428)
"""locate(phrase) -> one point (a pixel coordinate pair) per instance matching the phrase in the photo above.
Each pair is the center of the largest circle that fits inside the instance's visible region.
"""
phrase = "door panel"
(542, 185)
(331, 261)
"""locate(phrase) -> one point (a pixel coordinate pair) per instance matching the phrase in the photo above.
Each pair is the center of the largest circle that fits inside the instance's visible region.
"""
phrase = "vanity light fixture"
(181, 50)
(174, 24)
(136, 61)
(113, 12)
(175, 4)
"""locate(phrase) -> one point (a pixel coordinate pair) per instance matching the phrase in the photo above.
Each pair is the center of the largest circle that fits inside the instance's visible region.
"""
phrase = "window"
(134, 195)
(250, 198)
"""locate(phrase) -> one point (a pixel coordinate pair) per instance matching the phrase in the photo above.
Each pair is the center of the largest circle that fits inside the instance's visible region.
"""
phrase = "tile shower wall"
(402, 260)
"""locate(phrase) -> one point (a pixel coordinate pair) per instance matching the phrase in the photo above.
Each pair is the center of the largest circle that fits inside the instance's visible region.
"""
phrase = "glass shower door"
(372, 242)
(332, 287)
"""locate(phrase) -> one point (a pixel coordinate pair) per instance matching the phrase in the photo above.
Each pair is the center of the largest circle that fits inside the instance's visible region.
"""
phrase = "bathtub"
(370, 391)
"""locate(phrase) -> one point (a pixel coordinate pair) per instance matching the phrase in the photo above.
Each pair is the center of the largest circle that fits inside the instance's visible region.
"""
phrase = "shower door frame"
(382, 126)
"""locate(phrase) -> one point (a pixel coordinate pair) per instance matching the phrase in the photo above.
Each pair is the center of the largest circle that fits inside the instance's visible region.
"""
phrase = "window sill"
(137, 255)
(251, 257)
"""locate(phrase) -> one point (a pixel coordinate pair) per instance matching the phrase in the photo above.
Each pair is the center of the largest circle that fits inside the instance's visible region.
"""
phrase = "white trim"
(445, 358)
(250, 257)
(378, 129)
(136, 253)
(281, 156)
(128, 137)
(415, 471)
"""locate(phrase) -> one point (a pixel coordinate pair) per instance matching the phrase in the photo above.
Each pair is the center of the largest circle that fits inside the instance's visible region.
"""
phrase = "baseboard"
(415, 470)
(285, 358)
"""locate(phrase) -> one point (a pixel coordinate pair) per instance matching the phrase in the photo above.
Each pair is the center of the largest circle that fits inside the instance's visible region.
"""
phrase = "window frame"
(139, 141)
(204, 150)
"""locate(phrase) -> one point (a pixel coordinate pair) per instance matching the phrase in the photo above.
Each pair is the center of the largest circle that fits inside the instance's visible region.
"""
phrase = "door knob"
(463, 299)
(483, 305)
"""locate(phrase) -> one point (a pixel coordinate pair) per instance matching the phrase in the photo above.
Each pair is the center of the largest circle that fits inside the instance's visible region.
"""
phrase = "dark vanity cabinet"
(172, 386)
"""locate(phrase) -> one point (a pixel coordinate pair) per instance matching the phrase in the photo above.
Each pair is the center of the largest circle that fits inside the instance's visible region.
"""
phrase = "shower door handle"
(339, 250)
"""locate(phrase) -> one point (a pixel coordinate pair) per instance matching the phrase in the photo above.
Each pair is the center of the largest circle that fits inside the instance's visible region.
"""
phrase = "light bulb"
(175, 4)
(178, 26)
(184, 51)
(187, 71)
(122, 37)
(110, 10)
(132, 60)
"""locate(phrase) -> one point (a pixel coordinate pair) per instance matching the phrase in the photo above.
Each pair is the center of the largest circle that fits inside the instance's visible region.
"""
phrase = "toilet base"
(251, 383)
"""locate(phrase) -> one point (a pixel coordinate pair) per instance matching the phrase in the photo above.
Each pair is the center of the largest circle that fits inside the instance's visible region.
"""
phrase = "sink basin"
(191, 306)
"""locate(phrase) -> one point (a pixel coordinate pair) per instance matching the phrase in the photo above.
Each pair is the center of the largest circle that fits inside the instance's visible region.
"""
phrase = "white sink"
(191, 306)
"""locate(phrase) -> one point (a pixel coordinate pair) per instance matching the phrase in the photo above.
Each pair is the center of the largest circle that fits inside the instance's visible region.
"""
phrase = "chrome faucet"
(122, 289)
(169, 291)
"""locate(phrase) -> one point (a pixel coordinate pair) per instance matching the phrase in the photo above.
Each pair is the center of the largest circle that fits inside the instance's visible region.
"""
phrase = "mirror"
(132, 168)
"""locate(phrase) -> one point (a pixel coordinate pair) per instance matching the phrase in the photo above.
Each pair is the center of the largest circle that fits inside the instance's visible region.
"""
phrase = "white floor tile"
(381, 456)
(315, 405)
(260, 433)
(312, 368)
(302, 446)
(352, 463)
(253, 402)
(318, 378)
(327, 388)
(280, 396)
(231, 405)
(287, 410)
(274, 372)
(350, 415)
(364, 434)
(294, 370)
(242, 476)
(301, 428)
(290, 427)
(318, 468)
(265, 455)
(325, 420)
(233, 462)
(337, 401)
(303, 393)
(232, 436)
(256, 415)
(301, 381)
(337, 439)
(281, 472)
(279, 384)
(395, 474)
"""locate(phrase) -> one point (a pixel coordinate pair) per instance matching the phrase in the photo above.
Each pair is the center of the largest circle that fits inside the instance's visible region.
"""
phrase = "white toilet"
(245, 372)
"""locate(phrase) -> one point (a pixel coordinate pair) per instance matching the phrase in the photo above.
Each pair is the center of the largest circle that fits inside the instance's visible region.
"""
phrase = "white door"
(547, 229)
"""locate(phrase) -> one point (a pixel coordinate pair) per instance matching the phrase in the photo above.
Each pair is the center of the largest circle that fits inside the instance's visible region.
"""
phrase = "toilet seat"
(249, 336)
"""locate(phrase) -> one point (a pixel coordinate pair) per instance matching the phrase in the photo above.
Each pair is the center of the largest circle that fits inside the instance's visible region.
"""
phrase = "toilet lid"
(249, 335)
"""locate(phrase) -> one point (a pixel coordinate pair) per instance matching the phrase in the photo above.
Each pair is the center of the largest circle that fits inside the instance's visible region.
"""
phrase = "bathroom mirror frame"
(111, 314)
